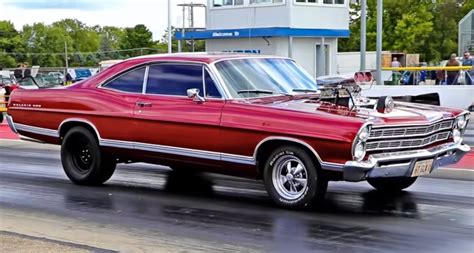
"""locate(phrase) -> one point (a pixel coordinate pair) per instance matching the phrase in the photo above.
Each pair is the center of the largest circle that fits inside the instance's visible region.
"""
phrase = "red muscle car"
(252, 116)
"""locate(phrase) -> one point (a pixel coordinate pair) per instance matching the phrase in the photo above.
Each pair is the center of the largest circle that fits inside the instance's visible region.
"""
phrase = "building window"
(333, 1)
(219, 3)
(266, 1)
(307, 1)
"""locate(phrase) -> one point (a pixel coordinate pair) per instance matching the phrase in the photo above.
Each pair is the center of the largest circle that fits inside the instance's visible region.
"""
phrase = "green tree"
(137, 37)
(10, 43)
(45, 43)
(411, 26)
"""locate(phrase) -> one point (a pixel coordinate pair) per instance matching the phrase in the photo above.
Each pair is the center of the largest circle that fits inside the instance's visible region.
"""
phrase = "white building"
(293, 28)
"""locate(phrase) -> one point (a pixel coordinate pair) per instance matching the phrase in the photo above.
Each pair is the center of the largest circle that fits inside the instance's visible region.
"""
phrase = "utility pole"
(363, 32)
(378, 74)
(65, 57)
(169, 28)
(189, 9)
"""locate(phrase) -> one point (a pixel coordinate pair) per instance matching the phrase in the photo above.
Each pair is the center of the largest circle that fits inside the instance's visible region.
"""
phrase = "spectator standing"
(68, 78)
(453, 74)
(468, 61)
(395, 63)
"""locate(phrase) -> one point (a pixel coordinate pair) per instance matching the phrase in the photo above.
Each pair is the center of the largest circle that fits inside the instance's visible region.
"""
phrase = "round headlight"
(359, 151)
(457, 136)
(364, 133)
(461, 121)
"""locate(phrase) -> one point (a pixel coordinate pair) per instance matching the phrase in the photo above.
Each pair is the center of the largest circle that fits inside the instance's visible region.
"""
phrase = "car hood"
(403, 113)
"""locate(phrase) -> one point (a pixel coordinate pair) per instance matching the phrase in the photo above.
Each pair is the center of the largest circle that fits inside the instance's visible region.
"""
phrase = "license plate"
(422, 168)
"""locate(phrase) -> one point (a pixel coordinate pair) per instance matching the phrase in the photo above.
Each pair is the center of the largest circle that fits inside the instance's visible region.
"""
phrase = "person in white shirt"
(395, 63)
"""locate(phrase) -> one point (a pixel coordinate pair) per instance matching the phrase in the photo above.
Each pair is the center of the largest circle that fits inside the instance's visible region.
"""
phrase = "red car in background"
(252, 116)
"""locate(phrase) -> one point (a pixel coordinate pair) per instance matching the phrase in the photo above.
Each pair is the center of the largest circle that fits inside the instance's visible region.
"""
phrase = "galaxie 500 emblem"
(27, 105)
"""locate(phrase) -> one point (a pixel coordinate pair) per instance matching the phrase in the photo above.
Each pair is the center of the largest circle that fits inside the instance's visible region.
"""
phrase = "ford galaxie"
(252, 116)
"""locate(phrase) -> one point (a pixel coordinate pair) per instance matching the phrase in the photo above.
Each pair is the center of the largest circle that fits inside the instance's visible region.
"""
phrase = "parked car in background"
(8, 83)
(57, 75)
(253, 116)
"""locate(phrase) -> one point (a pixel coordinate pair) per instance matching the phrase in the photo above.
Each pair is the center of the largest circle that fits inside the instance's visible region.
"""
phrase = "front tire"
(291, 178)
(82, 160)
(391, 184)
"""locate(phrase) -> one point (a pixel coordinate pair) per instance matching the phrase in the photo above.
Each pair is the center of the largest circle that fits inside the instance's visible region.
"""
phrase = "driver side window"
(174, 79)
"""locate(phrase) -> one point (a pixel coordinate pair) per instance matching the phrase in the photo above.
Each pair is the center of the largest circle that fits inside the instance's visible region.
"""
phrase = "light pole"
(378, 74)
(363, 29)
(169, 28)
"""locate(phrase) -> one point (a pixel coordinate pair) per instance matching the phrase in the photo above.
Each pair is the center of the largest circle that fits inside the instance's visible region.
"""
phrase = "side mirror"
(194, 94)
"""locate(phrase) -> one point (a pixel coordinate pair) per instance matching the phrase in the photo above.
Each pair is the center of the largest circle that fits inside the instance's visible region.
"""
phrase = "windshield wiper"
(255, 91)
(304, 90)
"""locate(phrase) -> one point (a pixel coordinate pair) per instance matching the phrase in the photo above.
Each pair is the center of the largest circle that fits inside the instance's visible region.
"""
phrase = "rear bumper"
(11, 124)
(401, 164)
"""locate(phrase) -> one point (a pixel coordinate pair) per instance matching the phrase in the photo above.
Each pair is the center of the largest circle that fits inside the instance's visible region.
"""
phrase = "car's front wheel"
(291, 178)
(391, 184)
(82, 160)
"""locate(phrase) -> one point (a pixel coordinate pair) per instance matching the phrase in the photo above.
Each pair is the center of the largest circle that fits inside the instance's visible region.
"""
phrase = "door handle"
(144, 104)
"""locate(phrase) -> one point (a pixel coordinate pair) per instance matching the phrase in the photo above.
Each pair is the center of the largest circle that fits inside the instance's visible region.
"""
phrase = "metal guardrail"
(463, 72)
(452, 68)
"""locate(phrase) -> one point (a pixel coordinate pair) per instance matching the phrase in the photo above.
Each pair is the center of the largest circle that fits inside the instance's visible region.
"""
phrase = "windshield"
(255, 77)
(6, 80)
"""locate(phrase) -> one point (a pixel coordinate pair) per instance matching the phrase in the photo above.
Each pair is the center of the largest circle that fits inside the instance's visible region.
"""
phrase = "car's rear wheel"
(391, 184)
(291, 178)
(82, 160)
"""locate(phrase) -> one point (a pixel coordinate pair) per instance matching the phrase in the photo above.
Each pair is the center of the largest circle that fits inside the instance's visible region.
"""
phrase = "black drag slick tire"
(291, 178)
(82, 160)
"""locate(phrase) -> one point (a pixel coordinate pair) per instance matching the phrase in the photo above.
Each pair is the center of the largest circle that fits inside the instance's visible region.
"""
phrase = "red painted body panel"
(232, 127)
(179, 121)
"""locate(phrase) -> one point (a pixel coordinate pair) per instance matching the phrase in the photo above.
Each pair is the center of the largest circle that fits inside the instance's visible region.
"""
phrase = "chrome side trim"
(11, 124)
(238, 159)
(203, 154)
(36, 130)
(178, 151)
(79, 120)
(145, 79)
(211, 155)
(324, 165)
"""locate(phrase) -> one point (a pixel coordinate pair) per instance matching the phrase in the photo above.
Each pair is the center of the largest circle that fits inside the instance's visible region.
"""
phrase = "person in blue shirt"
(468, 61)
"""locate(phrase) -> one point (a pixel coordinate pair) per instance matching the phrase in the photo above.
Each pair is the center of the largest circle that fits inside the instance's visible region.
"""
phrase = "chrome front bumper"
(401, 164)
(11, 124)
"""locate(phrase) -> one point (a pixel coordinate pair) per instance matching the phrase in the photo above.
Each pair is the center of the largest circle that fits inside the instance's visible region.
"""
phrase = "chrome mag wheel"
(290, 177)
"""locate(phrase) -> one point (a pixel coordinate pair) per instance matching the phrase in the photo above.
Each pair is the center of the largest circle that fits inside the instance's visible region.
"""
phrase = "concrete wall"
(247, 17)
(274, 46)
(286, 14)
(319, 16)
(304, 52)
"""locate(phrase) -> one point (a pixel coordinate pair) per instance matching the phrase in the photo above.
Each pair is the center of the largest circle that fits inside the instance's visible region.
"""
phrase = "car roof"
(204, 57)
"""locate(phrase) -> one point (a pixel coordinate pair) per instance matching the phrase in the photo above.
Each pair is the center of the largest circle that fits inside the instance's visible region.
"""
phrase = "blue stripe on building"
(262, 32)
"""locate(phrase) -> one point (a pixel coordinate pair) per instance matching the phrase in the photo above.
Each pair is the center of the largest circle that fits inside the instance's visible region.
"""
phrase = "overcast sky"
(122, 13)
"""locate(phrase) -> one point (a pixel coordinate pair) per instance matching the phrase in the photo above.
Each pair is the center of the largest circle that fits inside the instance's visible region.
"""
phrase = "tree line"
(427, 27)
(45, 45)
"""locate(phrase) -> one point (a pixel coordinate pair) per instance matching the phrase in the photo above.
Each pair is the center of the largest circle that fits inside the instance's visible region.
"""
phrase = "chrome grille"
(410, 131)
(407, 143)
